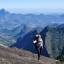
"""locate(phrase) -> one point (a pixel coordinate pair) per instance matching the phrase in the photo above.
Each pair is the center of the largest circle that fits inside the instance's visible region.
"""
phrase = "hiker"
(38, 43)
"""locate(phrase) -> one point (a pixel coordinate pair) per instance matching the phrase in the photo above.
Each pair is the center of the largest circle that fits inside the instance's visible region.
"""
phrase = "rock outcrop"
(54, 40)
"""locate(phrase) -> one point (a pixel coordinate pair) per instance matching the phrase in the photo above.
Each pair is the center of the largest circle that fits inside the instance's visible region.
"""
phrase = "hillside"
(17, 56)
(6, 39)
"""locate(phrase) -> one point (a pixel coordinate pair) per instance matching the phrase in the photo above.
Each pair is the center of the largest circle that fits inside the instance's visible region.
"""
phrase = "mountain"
(19, 30)
(25, 41)
(53, 40)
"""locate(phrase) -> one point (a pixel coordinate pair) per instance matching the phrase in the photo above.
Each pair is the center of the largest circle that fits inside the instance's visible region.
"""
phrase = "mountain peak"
(3, 11)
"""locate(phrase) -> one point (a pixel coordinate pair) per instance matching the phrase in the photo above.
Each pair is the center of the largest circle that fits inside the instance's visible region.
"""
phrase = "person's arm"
(34, 41)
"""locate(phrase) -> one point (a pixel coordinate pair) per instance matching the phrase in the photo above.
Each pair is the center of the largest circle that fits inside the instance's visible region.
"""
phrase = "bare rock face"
(54, 40)
(16, 56)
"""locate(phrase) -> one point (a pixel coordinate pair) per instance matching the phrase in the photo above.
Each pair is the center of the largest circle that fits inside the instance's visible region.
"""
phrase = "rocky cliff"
(54, 40)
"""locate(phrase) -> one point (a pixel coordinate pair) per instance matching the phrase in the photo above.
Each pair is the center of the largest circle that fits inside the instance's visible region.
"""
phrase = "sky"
(33, 5)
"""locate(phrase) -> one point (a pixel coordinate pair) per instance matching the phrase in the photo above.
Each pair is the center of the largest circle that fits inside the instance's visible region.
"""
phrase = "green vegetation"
(6, 40)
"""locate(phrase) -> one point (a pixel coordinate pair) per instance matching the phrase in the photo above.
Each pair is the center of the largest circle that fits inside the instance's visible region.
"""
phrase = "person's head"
(38, 35)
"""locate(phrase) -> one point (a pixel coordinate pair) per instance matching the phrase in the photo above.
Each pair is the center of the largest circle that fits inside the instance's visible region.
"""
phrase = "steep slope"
(16, 56)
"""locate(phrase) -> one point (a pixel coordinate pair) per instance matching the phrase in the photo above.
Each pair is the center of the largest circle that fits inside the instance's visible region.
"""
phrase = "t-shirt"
(40, 41)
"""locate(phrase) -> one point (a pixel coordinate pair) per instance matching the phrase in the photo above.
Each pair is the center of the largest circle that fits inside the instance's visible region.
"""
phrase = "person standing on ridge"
(38, 43)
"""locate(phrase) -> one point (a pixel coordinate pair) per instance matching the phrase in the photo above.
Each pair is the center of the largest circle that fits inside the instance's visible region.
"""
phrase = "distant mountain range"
(10, 22)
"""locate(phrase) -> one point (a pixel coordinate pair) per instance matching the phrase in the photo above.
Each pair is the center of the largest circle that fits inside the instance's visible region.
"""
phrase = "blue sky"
(33, 5)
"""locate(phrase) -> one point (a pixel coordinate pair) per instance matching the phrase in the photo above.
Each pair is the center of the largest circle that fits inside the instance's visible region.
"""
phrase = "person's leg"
(38, 54)
(40, 50)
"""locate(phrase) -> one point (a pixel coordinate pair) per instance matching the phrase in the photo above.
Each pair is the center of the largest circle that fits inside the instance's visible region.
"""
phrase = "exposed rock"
(54, 40)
